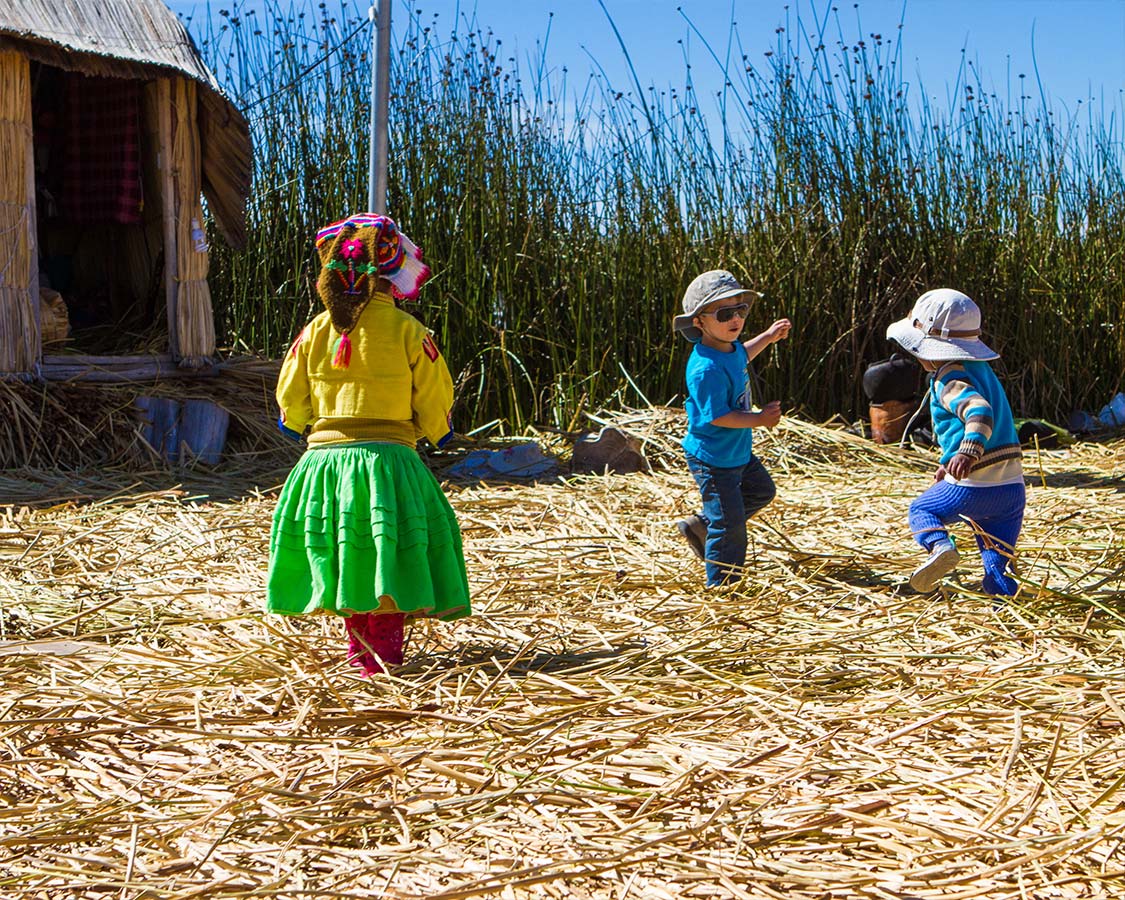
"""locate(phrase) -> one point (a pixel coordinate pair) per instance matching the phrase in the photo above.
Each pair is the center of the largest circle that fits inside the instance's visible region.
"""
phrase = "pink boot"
(385, 636)
(359, 653)
(373, 637)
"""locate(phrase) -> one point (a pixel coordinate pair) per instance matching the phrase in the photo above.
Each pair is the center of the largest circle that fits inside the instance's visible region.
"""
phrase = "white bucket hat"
(704, 290)
(944, 325)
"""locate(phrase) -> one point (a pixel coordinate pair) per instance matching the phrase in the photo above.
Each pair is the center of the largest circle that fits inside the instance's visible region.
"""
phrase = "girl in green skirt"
(362, 528)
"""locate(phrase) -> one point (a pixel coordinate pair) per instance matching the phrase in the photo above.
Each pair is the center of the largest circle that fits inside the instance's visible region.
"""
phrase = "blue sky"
(1079, 45)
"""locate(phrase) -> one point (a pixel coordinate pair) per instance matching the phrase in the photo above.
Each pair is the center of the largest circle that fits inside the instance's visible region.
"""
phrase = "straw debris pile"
(73, 426)
(602, 728)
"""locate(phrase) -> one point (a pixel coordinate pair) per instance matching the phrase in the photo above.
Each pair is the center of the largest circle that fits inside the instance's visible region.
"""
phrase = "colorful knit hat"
(354, 254)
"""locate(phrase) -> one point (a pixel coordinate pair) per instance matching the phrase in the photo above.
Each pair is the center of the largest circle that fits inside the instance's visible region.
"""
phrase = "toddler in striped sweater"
(979, 478)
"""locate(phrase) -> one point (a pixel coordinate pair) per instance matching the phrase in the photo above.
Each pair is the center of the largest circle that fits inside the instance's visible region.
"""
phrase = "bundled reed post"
(195, 326)
(159, 95)
(19, 276)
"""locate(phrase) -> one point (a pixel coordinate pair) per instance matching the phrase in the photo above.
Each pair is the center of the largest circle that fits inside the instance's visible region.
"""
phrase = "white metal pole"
(380, 14)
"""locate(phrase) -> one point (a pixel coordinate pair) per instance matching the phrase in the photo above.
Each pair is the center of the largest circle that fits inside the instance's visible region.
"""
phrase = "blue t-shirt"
(717, 383)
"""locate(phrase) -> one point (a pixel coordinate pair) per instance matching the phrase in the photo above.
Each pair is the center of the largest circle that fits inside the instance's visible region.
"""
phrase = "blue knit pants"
(996, 513)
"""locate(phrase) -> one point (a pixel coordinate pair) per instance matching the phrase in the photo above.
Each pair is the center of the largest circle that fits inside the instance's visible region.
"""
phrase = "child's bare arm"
(767, 418)
(778, 331)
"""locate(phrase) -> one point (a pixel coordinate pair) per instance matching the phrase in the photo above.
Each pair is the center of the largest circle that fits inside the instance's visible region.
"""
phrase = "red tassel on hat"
(343, 352)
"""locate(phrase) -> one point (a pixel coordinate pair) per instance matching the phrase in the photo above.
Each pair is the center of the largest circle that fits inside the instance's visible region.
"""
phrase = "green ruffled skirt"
(365, 528)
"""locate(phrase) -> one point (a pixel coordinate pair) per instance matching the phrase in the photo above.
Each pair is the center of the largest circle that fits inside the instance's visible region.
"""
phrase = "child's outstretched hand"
(770, 414)
(779, 330)
(758, 343)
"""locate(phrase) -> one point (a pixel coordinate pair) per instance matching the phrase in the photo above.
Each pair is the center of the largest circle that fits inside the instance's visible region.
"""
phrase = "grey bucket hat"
(944, 325)
(705, 289)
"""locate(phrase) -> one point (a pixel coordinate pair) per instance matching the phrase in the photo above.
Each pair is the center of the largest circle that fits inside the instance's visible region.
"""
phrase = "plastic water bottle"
(198, 237)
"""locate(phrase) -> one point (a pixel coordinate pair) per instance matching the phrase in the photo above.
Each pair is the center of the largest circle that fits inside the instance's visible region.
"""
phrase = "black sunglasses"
(726, 313)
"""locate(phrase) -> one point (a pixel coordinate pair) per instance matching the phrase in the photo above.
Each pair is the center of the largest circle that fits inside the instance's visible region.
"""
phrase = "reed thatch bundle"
(19, 300)
(79, 426)
(602, 727)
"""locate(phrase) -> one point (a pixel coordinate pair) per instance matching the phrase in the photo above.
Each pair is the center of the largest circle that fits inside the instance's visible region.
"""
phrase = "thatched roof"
(142, 39)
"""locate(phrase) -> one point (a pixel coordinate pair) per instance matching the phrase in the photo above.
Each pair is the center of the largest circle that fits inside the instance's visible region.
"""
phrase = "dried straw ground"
(601, 728)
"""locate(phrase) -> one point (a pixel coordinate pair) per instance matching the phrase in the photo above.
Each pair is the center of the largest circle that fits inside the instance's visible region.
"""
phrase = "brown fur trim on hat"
(349, 275)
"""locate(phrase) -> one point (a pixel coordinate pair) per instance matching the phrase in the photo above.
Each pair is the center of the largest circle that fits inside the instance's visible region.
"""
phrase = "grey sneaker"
(943, 560)
(694, 530)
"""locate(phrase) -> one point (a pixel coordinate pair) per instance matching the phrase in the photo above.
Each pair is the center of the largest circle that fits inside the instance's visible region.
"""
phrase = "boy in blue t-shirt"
(979, 478)
(719, 441)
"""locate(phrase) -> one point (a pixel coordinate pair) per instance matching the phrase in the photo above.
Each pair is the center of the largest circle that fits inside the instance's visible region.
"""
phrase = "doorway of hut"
(98, 213)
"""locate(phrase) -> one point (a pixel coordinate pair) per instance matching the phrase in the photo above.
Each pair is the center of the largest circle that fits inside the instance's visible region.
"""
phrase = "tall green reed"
(563, 221)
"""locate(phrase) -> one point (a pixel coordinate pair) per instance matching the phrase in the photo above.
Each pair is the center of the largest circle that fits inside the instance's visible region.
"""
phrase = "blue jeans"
(730, 497)
(996, 514)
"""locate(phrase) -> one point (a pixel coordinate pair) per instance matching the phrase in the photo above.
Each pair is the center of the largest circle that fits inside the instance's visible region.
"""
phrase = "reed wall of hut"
(132, 266)
(159, 254)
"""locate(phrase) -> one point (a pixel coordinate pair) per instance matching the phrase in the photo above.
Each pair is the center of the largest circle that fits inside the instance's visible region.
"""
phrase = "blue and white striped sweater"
(971, 414)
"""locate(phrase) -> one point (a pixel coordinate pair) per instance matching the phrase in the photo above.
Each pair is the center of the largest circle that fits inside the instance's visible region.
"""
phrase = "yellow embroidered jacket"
(396, 387)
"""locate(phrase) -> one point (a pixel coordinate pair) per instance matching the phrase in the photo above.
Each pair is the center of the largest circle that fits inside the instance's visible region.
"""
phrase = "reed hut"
(112, 130)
